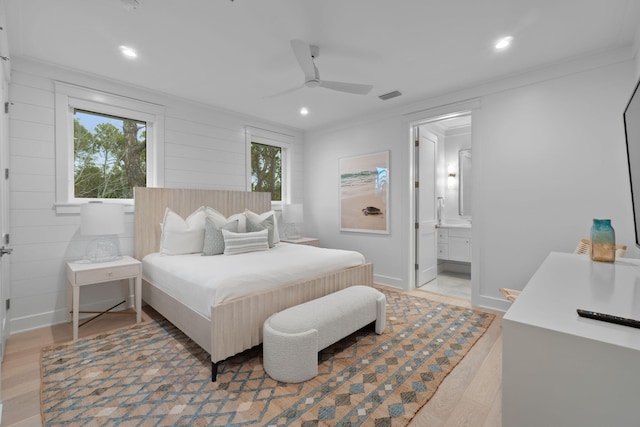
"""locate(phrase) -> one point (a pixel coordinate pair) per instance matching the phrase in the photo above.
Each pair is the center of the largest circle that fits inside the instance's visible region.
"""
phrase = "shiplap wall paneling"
(204, 148)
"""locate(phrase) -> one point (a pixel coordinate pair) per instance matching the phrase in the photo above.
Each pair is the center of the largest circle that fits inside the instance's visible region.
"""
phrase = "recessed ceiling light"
(504, 42)
(128, 51)
(304, 111)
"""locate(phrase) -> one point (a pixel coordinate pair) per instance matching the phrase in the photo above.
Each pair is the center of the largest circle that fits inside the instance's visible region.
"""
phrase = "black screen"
(632, 130)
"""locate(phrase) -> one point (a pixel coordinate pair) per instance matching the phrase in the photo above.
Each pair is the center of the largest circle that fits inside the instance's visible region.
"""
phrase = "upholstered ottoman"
(292, 338)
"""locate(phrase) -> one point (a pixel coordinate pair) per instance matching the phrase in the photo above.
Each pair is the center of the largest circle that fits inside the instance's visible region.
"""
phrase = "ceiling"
(237, 54)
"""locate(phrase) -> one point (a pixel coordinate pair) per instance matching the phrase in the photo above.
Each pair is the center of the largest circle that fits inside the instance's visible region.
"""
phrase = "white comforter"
(202, 281)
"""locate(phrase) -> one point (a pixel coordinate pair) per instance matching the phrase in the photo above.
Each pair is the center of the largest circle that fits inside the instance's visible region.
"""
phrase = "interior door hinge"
(417, 225)
(6, 107)
(417, 267)
(6, 239)
(6, 173)
(417, 184)
(417, 143)
(8, 304)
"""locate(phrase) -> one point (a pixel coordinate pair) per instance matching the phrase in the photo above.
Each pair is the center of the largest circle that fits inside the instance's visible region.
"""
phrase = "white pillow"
(180, 236)
(240, 243)
(258, 218)
(219, 220)
(242, 221)
(216, 217)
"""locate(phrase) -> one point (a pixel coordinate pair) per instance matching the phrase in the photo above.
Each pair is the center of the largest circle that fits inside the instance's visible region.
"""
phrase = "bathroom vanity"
(454, 242)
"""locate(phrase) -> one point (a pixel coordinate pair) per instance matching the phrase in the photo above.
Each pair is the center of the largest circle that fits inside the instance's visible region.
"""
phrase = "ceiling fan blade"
(355, 88)
(302, 51)
(284, 92)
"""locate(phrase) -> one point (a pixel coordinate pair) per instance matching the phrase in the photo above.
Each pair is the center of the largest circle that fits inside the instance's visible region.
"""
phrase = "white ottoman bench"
(293, 337)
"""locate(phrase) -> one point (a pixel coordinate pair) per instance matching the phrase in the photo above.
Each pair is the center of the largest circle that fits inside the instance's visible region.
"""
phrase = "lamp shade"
(293, 213)
(98, 219)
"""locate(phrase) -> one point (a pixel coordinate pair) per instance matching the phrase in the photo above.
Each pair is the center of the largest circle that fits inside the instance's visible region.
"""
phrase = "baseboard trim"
(393, 282)
(55, 317)
(454, 267)
(493, 303)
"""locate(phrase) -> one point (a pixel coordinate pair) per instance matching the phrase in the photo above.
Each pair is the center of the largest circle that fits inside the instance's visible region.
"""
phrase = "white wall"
(548, 157)
(388, 252)
(552, 157)
(204, 148)
(636, 50)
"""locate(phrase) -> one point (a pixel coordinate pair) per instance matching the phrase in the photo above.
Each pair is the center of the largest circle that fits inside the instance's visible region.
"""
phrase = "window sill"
(74, 208)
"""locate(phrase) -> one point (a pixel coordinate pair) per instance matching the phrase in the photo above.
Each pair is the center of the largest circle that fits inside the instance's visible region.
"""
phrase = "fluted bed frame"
(235, 325)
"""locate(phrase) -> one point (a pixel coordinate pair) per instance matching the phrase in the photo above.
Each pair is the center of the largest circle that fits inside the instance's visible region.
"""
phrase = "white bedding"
(202, 281)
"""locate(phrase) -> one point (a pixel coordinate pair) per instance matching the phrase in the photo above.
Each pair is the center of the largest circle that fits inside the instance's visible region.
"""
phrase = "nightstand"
(83, 273)
(309, 241)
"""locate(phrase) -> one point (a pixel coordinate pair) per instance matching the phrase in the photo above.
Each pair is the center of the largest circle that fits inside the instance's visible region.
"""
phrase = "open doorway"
(442, 201)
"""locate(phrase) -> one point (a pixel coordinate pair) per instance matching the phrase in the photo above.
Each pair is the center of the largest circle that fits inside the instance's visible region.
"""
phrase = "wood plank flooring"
(470, 396)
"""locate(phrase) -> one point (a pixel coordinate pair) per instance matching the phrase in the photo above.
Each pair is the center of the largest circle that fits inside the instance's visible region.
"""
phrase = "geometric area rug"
(151, 374)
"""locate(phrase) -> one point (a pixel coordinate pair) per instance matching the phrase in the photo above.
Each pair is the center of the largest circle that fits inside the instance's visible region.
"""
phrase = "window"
(266, 170)
(268, 163)
(109, 156)
(105, 145)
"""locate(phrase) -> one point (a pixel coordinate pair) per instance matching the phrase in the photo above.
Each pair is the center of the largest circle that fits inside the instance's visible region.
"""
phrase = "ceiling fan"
(305, 54)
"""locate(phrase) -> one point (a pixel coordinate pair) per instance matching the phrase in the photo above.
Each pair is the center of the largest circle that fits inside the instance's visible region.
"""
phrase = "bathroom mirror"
(464, 183)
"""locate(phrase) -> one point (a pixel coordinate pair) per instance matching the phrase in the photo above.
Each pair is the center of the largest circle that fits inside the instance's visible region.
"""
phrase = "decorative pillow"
(240, 243)
(265, 223)
(242, 221)
(259, 217)
(180, 236)
(213, 239)
(218, 219)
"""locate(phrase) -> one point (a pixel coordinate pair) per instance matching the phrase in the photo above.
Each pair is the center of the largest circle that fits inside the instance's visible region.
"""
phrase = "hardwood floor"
(470, 396)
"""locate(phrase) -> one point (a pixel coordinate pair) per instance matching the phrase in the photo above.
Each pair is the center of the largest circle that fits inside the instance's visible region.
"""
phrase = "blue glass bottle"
(603, 241)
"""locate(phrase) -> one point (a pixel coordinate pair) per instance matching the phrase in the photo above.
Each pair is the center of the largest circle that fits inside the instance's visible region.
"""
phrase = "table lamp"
(103, 220)
(292, 215)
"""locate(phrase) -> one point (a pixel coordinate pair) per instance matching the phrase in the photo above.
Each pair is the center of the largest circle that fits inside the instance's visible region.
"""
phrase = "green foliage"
(109, 161)
(266, 169)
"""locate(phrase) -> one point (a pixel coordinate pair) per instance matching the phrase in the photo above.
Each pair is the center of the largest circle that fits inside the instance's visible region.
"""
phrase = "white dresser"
(560, 369)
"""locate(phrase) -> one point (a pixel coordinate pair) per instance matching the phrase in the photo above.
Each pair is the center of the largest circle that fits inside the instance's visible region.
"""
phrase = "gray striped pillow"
(240, 243)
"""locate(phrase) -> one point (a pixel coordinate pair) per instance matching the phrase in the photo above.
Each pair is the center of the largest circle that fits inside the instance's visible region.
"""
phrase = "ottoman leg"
(290, 358)
(381, 315)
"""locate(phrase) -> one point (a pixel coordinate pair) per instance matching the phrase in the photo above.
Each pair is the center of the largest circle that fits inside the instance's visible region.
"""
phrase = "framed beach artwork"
(364, 193)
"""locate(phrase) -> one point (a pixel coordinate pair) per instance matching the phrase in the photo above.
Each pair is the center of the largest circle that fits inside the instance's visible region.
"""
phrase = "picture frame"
(364, 193)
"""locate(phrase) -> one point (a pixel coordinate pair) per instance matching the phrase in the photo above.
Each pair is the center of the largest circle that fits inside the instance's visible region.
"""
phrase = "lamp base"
(102, 250)
(291, 231)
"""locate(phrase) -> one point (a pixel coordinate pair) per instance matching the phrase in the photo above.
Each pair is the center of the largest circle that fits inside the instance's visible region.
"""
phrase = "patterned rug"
(150, 374)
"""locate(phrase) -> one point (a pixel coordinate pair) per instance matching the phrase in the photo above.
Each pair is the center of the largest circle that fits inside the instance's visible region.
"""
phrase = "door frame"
(416, 119)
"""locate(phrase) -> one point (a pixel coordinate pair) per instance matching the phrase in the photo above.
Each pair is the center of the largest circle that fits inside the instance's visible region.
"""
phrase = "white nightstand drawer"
(106, 274)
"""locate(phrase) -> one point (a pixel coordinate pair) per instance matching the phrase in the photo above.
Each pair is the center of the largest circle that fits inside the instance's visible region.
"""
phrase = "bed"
(234, 323)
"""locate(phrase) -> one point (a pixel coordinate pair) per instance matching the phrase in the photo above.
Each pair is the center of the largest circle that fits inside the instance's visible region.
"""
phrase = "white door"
(4, 222)
(426, 236)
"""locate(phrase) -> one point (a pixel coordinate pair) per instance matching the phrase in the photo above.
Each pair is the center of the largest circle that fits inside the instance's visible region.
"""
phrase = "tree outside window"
(110, 156)
(266, 169)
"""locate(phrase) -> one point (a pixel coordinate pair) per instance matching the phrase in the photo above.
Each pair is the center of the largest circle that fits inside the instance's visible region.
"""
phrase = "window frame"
(68, 98)
(274, 139)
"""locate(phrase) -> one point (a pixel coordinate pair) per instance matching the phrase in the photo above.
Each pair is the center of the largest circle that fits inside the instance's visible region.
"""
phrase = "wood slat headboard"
(151, 203)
